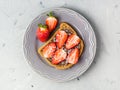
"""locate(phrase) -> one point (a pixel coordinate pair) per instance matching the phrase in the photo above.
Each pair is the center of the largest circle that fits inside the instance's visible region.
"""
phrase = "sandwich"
(64, 49)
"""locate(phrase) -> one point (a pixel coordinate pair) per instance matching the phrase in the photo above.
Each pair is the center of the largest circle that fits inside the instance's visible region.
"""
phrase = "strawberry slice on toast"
(48, 50)
(59, 56)
(73, 56)
(61, 38)
(72, 41)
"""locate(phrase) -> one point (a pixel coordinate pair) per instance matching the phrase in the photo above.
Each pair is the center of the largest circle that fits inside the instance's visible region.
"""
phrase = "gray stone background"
(16, 74)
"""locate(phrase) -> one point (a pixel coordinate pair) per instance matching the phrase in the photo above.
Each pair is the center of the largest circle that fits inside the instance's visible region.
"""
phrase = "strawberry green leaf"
(42, 26)
(50, 14)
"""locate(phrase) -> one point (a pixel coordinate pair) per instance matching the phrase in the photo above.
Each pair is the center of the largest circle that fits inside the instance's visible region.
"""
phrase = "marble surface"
(16, 74)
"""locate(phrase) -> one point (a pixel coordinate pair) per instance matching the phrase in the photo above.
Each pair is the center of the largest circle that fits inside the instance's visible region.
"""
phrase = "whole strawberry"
(51, 21)
(42, 32)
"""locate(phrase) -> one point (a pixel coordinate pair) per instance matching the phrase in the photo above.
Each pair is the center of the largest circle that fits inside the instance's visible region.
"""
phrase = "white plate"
(82, 27)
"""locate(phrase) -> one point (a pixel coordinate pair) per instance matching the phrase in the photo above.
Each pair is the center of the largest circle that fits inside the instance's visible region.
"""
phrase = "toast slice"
(63, 26)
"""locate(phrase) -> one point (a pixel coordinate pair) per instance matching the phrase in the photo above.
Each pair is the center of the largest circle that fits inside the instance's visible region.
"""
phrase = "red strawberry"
(72, 41)
(61, 38)
(49, 50)
(42, 32)
(73, 56)
(59, 56)
(51, 22)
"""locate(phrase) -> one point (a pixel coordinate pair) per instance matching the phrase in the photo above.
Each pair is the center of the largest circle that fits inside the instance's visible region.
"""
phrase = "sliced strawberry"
(73, 56)
(59, 56)
(51, 22)
(61, 38)
(49, 50)
(72, 41)
(42, 32)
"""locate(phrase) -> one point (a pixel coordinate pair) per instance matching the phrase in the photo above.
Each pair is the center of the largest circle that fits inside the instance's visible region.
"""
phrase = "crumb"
(32, 86)
(3, 45)
(78, 78)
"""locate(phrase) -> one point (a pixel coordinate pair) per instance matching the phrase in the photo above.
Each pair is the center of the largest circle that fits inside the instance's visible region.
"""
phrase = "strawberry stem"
(44, 26)
(50, 14)
(41, 25)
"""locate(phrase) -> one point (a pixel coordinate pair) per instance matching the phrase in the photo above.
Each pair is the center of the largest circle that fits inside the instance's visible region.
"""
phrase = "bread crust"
(63, 26)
